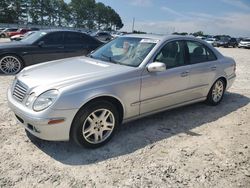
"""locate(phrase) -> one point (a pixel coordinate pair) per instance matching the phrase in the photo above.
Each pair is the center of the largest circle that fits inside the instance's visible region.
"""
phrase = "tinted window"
(53, 38)
(74, 38)
(199, 53)
(88, 39)
(233, 40)
(171, 54)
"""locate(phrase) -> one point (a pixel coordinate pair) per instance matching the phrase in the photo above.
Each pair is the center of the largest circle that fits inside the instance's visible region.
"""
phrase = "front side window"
(199, 53)
(171, 54)
(128, 51)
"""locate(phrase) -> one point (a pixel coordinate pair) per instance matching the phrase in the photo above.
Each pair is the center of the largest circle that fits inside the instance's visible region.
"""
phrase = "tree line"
(78, 13)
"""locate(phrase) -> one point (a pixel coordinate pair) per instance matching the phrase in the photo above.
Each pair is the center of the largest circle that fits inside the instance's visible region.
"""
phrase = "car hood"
(14, 44)
(64, 72)
(245, 42)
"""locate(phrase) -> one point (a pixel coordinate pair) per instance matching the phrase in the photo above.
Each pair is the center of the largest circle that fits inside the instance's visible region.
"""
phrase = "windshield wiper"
(110, 59)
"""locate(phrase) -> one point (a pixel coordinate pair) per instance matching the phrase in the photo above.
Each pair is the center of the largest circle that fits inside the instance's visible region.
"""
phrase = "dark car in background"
(226, 42)
(44, 46)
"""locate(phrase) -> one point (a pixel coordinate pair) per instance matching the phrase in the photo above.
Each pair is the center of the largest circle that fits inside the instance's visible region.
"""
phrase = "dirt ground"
(192, 146)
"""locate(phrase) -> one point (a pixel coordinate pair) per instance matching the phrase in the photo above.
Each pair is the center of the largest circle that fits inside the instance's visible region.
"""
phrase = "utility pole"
(133, 25)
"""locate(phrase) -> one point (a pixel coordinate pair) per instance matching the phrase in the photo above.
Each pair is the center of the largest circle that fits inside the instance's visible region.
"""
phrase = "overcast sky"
(166, 16)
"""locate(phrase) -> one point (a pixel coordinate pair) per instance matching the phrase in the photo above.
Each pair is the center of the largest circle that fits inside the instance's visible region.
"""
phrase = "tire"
(216, 92)
(10, 64)
(89, 129)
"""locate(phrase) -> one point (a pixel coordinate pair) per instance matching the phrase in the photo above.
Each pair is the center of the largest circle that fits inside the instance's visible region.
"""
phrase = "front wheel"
(95, 124)
(216, 93)
(10, 64)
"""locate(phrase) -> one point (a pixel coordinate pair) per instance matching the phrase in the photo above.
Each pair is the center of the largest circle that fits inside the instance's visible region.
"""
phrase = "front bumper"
(244, 45)
(37, 122)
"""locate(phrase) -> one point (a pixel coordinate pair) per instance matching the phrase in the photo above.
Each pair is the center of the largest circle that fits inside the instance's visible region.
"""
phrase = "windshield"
(128, 51)
(34, 37)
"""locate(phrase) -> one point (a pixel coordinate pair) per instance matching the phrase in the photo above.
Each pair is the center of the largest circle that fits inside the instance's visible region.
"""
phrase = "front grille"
(19, 91)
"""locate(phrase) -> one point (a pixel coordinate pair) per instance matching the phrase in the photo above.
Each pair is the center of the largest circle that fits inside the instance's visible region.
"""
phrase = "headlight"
(45, 100)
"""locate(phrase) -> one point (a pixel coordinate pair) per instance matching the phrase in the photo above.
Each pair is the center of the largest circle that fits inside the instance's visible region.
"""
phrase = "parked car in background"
(3, 33)
(44, 46)
(87, 98)
(116, 34)
(211, 41)
(226, 42)
(21, 36)
(20, 31)
(232, 42)
(244, 43)
(201, 37)
(102, 36)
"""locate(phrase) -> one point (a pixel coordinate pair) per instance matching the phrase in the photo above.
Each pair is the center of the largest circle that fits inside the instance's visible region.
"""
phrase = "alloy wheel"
(10, 65)
(98, 126)
(217, 91)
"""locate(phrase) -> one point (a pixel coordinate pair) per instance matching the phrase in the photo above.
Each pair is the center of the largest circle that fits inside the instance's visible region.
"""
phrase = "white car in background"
(245, 43)
(211, 41)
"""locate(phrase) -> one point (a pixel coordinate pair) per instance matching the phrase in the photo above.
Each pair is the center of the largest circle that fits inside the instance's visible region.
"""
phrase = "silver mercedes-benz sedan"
(87, 98)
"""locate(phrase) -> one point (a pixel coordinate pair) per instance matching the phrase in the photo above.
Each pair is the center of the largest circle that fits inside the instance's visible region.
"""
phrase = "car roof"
(158, 37)
(56, 30)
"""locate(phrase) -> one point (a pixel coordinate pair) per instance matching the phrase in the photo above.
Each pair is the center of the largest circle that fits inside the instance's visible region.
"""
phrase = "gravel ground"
(192, 146)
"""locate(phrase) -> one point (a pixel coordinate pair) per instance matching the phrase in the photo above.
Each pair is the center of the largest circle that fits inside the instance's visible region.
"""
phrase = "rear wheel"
(10, 64)
(95, 124)
(216, 93)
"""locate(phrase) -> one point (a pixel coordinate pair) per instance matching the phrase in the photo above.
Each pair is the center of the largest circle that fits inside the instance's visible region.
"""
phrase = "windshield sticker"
(149, 41)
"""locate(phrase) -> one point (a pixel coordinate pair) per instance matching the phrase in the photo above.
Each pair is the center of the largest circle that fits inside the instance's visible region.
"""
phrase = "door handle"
(185, 73)
(213, 68)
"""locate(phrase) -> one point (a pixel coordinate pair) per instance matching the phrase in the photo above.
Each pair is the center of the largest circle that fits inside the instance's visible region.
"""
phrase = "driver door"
(164, 89)
(51, 47)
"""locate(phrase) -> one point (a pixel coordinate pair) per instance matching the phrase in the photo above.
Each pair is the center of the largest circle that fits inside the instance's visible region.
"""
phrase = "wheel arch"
(109, 98)
(14, 54)
(224, 79)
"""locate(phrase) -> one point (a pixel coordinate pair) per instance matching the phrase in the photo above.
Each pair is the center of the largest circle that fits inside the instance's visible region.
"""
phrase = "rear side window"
(72, 38)
(90, 40)
(53, 38)
(199, 53)
(78, 38)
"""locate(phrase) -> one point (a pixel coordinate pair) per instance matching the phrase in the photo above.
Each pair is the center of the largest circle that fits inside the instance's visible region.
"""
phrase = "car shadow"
(144, 132)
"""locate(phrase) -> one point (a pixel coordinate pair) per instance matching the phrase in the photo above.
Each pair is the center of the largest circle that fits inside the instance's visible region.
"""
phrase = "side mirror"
(41, 43)
(156, 67)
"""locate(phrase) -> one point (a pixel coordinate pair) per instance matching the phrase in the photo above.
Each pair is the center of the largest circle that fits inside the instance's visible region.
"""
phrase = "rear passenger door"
(202, 72)
(75, 44)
